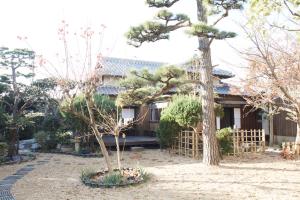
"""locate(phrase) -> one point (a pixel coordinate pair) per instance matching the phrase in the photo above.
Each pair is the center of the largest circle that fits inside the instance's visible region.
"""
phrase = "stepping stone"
(13, 177)
(4, 193)
(21, 173)
(7, 198)
(27, 169)
(8, 182)
(4, 187)
(41, 161)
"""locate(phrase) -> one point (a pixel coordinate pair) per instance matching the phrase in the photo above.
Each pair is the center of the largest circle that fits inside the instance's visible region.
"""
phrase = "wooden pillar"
(271, 143)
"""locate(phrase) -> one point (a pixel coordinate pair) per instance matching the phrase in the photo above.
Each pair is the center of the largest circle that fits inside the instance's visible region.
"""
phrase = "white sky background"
(39, 21)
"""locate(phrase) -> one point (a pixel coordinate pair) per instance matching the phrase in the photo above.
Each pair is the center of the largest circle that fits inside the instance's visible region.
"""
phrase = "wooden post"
(234, 142)
(251, 138)
(243, 142)
(263, 140)
(271, 143)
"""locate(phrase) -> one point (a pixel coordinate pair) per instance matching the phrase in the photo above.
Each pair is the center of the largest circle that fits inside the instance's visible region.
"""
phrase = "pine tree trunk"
(211, 154)
(12, 141)
(13, 137)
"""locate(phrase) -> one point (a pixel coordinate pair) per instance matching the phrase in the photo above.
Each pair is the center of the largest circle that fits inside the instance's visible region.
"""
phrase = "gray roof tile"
(121, 67)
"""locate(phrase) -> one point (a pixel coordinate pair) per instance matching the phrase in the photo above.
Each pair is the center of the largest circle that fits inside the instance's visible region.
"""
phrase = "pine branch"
(159, 29)
(161, 3)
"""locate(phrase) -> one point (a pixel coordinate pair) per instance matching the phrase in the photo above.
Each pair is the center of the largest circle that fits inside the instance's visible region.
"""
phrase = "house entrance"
(228, 119)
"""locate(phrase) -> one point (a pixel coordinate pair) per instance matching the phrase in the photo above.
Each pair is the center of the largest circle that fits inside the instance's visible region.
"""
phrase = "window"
(155, 114)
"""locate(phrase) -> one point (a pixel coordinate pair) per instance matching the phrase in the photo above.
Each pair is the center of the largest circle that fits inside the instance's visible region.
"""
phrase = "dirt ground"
(172, 177)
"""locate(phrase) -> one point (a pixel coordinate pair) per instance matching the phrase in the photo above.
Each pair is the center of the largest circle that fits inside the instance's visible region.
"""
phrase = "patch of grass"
(114, 178)
(86, 174)
(145, 175)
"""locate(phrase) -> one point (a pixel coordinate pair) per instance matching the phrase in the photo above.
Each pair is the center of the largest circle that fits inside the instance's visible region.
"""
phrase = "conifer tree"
(166, 22)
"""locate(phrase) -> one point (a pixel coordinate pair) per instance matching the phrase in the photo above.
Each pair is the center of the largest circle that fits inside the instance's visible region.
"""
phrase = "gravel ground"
(172, 177)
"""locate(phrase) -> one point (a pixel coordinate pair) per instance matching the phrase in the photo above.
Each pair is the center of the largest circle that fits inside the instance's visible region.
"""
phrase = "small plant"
(145, 175)
(114, 178)
(225, 140)
(86, 174)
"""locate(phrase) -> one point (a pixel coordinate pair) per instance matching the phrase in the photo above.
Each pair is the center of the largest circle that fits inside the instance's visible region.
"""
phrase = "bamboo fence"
(188, 143)
(248, 141)
(291, 147)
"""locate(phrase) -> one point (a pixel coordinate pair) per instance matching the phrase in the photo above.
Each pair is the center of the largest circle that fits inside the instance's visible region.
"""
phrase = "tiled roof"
(224, 89)
(110, 90)
(121, 67)
(228, 89)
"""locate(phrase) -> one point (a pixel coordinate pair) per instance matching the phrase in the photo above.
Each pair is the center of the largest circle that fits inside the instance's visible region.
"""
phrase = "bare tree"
(274, 75)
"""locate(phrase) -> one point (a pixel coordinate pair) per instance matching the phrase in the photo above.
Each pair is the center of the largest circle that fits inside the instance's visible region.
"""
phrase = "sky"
(38, 22)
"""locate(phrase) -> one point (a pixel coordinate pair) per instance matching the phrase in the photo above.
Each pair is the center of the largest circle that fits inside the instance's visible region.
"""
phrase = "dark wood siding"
(284, 127)
(250, 119)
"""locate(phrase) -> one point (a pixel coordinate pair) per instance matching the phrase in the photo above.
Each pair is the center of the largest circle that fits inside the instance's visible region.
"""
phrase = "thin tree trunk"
(98, 135)
(210, 145)
(118, 151)
(103, 150)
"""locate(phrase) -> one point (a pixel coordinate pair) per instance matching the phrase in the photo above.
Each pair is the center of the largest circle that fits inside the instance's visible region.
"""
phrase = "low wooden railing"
(248, 141)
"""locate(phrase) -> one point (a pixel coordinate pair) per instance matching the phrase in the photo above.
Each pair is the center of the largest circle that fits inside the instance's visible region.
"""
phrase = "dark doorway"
(228, 119)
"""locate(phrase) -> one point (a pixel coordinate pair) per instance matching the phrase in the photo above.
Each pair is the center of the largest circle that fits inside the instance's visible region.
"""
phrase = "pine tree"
(166, 22)
(19, 63)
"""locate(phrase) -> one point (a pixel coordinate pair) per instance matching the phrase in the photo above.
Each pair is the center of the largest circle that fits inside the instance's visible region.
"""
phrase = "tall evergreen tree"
(166, 22)
(18, 63)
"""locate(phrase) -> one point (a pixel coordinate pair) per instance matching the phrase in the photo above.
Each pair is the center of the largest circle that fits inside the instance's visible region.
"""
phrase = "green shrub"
(167, 131)
(41, 138)
(224, 137)
(3, 149)
(64, 137)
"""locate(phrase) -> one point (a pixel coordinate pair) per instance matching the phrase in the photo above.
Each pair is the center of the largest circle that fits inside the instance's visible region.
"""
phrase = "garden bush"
(167, 131)
(225, 140)
(3, 149)
(64, 137)
(41, 138)
(183, 112)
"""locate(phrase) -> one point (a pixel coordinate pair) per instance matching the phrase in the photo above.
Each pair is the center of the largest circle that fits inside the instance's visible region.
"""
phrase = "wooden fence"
(188, 143)
(248, 141)
(291, 147)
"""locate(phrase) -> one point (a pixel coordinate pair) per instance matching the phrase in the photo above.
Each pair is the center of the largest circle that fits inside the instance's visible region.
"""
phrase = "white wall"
(237, 117)
(218, 120)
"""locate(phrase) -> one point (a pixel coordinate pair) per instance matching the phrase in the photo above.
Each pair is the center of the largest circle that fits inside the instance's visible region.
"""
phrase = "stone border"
(94, 184)
(7, 183)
